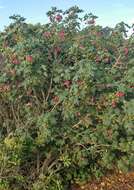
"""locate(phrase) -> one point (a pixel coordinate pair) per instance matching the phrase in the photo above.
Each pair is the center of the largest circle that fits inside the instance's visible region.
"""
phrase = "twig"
(54, 106)
(77, 124)
(46, 162)
(49, 90)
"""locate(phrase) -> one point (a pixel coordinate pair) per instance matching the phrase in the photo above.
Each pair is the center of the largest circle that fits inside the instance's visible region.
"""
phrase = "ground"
(117, 181)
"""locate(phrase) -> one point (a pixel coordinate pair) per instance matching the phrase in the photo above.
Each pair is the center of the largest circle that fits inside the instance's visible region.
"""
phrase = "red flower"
(15, 61)
(79, 82)
(126, 51)
(55, 99)
(67, 83)
(114, 103)
(119, 94)
(58, 18)
(29, 58)
(98, 59)
(61, 34)
(47, 34)
(57, 50)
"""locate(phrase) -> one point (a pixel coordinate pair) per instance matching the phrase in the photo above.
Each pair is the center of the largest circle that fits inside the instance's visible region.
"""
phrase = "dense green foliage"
(66, 101)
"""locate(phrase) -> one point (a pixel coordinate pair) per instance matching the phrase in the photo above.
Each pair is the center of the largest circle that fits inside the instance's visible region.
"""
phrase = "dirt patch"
(118, 181)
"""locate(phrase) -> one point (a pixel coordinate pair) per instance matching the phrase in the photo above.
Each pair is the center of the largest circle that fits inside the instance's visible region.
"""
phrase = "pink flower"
(15, 61)
(114, 103)
(58, 18)
(98, 59)
(29, 58)
(67, 83)
(126, 51)
(55, 99)
(47, 34)
(80, 82)
(119, 94)
(57, 50)
(61, 34)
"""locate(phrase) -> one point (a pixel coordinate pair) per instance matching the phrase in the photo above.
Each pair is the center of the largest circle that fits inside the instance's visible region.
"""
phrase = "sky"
(110, 12)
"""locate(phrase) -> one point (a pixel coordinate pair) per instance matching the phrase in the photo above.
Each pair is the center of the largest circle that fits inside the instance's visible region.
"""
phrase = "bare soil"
(117, 181)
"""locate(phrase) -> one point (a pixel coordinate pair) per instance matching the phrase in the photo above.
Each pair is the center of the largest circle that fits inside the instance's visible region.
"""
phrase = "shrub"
(66, 101)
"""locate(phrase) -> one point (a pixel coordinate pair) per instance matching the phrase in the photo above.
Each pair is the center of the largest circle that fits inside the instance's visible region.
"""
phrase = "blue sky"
(110, 12)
